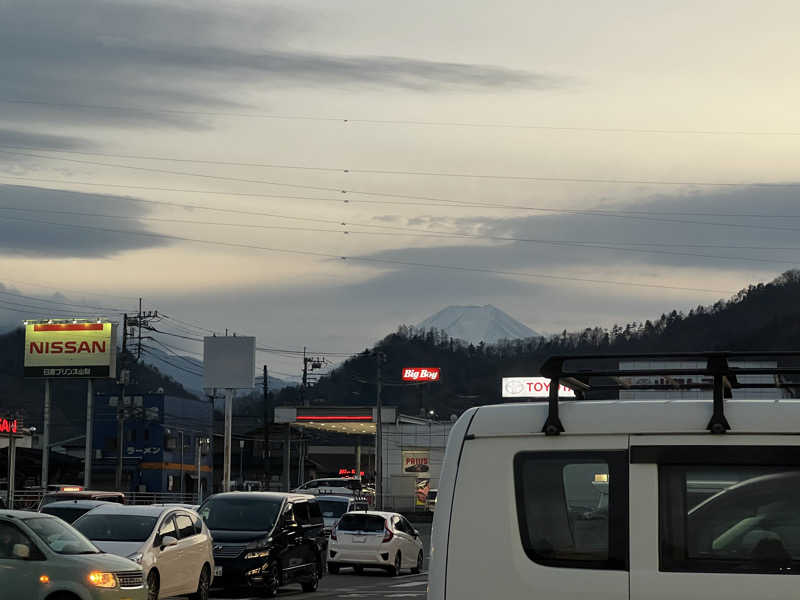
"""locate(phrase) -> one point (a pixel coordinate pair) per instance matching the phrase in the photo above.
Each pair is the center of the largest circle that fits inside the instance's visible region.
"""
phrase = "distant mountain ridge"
(188, 371)
(476, 324)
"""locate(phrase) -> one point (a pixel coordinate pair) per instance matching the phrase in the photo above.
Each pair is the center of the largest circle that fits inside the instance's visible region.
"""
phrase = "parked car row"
(256, 540)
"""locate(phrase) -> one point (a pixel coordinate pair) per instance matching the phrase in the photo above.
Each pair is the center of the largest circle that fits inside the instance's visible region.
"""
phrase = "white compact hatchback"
(173, 545)
(373, 539)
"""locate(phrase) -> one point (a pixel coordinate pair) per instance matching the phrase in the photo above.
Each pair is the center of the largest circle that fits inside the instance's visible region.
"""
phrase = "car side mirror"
(22, 551)
(416, 534)
(168, 541)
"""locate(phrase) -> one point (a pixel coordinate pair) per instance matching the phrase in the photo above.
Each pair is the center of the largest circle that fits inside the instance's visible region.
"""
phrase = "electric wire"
(379, 261)
(416, 122)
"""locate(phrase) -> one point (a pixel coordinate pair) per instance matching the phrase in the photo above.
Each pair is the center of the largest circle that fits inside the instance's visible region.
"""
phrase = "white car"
(342, 486)
(173, 545)
(333, 507)
(383, 540)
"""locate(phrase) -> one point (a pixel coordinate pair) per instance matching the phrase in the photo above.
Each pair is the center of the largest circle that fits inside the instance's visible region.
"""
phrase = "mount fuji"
(477, 324)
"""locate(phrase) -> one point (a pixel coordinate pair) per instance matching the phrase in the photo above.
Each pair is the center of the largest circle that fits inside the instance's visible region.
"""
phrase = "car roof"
(112, 508)
(376, 513)
(77, 503)
(634, 417)
(23, 514)
(291, 496)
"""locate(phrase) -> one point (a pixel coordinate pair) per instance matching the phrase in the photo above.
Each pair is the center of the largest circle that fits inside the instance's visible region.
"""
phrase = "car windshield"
(67, 513)
(241, 514)
(60, 537)
(116, 528)
(354, 522)
(332, 508)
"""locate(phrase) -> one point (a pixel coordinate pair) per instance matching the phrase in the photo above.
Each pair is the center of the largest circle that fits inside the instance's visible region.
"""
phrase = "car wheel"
(420, 561)
(271, 582)
(395, 568)
(152, 585)
(312, 583)
(358, 569)
(202, 585)
(333, 569)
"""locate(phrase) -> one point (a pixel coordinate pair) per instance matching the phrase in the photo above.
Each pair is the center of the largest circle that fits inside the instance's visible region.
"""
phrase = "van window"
(727, 518)
(572, 508)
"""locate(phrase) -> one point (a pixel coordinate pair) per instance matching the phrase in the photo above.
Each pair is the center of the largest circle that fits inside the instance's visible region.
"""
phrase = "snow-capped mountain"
(477, 324)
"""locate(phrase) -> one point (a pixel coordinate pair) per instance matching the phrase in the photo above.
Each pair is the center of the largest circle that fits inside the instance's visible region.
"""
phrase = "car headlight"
(102, 580)
(136, 557)
(258, 544)
(257, 554)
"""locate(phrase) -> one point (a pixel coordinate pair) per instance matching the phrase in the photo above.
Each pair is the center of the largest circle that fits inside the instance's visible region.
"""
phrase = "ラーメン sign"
(70, 350)
(532, 387)
(421, 373)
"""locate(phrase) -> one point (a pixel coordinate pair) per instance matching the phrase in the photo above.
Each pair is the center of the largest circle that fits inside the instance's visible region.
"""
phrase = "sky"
(316, 174)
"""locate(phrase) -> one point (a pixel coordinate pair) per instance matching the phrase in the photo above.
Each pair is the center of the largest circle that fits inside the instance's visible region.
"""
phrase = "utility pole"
(315, 363)
(379, 357)
(139, 323)
(121, 414)
(267, 426)
(46, 435)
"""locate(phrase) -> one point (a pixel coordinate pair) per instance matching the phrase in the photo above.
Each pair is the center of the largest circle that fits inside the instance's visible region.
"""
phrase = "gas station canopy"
(352, 420)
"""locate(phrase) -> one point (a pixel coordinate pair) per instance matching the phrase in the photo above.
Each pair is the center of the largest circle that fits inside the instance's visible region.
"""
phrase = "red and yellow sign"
(70, 350)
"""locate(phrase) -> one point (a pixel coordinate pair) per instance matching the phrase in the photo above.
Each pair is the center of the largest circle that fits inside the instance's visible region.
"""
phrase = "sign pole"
(12, 467)
(226, 468)
(379, 438)
(199, 478)
(46, 435)
(87, 467)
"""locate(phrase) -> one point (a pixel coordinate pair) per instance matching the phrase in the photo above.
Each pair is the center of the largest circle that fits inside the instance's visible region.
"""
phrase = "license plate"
(217, 571)
(359, 539)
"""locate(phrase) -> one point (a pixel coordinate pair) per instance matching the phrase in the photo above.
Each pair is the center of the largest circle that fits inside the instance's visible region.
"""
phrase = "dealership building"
(412, 448)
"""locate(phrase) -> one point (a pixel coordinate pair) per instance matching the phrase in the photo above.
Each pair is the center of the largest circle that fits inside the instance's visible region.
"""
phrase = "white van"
(627, 499)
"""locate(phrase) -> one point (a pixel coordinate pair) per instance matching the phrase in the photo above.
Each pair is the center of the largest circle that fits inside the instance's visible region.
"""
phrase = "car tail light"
(387, 534)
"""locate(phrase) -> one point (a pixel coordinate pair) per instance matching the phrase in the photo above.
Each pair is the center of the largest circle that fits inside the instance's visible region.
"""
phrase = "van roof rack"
(718, 374)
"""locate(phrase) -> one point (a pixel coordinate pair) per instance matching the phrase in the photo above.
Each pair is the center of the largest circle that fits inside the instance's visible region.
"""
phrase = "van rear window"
(368, 523)
(572, 508)
(728, 518)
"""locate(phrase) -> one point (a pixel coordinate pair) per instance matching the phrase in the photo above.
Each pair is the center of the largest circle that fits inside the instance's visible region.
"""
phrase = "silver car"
(42, 557)
(172, 545)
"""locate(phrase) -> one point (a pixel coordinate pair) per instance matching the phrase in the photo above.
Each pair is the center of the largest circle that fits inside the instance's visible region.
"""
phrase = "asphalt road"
(373, 584)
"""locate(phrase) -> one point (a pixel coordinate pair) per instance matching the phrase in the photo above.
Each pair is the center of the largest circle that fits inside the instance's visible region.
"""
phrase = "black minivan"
(266, 540)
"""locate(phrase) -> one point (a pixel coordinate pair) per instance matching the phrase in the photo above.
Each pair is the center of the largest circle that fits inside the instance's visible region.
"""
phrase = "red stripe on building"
(334, 418)
(69, 327)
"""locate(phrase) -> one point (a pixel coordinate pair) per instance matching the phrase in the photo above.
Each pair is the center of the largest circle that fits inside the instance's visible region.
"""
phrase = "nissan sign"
(532, 387)
(70, 350)
(418, 374)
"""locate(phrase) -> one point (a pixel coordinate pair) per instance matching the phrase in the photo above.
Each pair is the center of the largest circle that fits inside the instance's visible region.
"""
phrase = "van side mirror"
(168, 541)
(21, 551)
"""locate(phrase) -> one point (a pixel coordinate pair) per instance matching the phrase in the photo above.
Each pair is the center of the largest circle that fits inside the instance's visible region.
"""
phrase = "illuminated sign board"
(532, 387)
(70, 350)
(349, 472)
(421, 374)
(8, 426)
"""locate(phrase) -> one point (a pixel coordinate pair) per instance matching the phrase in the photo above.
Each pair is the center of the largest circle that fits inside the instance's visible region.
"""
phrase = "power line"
(408, 231)
(538, 178)
(150, 352)
(47, 300)
(188, 324)
(416, 122)
(371, 260)
(432, 201)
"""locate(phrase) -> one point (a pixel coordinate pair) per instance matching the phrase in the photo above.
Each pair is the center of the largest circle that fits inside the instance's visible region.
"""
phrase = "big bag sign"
(421, 373)
(70, 350)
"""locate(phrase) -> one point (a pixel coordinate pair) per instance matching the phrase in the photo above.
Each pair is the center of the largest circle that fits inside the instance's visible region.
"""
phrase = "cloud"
(692, 229)
(26, 232)
(189, 56)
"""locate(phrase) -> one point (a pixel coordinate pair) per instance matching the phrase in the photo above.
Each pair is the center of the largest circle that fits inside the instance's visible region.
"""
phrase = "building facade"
(166, 443)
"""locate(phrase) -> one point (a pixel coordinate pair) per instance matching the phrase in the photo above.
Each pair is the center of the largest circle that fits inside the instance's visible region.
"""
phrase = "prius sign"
(532, 387)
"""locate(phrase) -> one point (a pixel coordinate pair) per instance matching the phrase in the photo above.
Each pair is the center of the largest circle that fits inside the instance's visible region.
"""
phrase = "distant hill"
(476, 324)
(761, 317)
(188, 371)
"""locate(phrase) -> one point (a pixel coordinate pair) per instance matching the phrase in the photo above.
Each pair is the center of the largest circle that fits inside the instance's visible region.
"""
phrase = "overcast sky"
(619, 115)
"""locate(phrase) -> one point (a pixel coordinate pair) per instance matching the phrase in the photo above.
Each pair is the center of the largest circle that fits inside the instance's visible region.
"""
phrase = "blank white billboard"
(229, 362)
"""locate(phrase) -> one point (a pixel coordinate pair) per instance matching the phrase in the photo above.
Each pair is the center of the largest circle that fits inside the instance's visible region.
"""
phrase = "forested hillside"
(763, 317)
